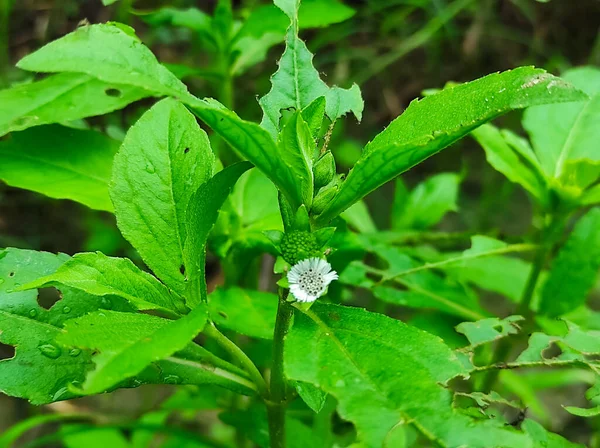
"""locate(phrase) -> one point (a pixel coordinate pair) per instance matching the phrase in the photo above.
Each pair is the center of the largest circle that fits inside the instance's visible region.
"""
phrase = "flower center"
(312, 282)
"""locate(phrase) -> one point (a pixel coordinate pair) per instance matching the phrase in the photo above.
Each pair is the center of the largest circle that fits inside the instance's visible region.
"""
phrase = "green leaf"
(575, 269)
(109, 2)
(488, 330)
(483, 265)
(60, 162)
(31, 330)
(247, 312)
(421, 289)
(109, 52)
(563, 132)
(151, 340)
(427, 203)
(506, 159)
(542, 438)
(296, 84)
(251, 142)
(358, 216)
(322, 13)
(202, 214)
(97, 274)
(165, 157)
(296, 149)
(583, 412)
(60, 98)
(368, 363)
(313, 396)
(436, 121)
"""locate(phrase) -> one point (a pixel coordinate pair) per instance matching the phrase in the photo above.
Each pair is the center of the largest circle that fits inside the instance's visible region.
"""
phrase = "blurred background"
(394, 50)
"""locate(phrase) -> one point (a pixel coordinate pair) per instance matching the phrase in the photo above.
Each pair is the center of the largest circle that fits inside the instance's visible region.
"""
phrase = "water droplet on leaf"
(105, 303)
(33, 312)
(50, 351)
(74, 352)
(150, 168)
(67, 309)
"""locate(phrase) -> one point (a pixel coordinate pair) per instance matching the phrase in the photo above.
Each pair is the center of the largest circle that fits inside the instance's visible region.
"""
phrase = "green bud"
(302, 221)
(324, 197)
(297, 246)
(324, 170)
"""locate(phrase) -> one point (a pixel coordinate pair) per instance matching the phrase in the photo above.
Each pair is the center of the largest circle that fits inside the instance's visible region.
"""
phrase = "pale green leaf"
(296, 84)
(574, 271)
(247, 312)
(563, 132)
(358, 216)
(368, 363)
(165, 157)
(506, 159)
(202, 212)
(63, 97)
(109, 52)
(583, 412)
(99, 275)
(322, 13)
(61, 163)
(427, 203)
(436, 121)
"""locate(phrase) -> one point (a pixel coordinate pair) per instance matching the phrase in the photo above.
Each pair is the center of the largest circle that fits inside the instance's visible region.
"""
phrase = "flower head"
(309, 279)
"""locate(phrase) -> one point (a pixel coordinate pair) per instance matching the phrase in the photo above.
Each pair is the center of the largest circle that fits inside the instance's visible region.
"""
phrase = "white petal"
(329, 277)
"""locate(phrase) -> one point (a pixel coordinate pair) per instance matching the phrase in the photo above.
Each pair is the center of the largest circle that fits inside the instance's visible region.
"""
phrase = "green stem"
(548, 239)
(276, 406)
(238, 354)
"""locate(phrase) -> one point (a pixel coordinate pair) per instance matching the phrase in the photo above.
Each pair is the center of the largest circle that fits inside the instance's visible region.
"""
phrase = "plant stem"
(548, 239)
(277, 404)
(237, 353)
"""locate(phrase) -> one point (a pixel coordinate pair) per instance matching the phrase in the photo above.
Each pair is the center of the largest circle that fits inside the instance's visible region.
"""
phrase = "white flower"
(309, 279)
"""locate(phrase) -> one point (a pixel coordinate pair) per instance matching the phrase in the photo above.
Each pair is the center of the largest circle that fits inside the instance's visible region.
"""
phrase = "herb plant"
(419, 383)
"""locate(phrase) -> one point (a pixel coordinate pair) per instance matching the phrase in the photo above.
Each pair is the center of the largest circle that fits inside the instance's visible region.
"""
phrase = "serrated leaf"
(164, 158)
(436, 121)
(60, 98)
(109, 52)
(247, 312)
(563, 132)
(296, 84)
(575, 269)
(99, 275)
(61, 163)
(368, 363)
(117, 363)
(202, 212)
(427, 203)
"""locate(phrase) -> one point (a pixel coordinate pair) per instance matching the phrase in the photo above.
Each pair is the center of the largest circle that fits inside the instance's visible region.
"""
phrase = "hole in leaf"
(182, 269)
(115, 93)
(498, 328)
(222, 314)
(552, 351)
(6, 351)
(186, 150)
(47, 297)
(11, 274)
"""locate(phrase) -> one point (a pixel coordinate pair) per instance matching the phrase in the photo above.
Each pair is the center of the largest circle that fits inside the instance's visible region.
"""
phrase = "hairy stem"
(238, 354)
(276, 406)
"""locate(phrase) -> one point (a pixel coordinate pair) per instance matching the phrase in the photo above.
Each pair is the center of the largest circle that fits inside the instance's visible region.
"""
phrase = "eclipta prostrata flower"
(309, 279)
